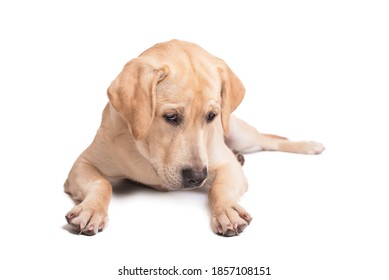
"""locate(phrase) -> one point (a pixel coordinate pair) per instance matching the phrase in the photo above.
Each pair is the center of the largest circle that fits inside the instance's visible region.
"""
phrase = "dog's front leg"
(228, 217)
(86, 184)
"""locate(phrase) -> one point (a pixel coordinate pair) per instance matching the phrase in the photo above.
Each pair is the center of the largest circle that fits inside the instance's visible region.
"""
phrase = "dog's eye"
(211, 116)
(172, 118)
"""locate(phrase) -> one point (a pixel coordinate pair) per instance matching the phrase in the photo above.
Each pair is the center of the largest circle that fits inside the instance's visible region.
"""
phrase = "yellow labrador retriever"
(168, 124)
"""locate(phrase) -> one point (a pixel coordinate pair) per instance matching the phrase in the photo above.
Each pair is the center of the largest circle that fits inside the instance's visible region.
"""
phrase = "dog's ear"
(232, 93)
(133, 94)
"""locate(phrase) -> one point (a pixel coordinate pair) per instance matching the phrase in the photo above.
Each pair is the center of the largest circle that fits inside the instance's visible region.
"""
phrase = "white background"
(313, 71)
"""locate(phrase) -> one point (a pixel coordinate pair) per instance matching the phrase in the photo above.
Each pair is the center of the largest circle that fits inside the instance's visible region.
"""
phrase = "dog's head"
(177, 100)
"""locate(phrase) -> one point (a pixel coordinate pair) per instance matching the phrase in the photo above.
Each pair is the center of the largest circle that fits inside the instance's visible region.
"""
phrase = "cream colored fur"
(168, 124)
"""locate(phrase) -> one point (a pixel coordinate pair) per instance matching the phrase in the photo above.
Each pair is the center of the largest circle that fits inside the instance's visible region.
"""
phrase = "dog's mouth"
(175, 177)
(181, 186)
(193, 186)
(185, 179)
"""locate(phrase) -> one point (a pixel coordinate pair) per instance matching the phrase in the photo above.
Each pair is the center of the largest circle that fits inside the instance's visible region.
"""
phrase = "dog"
(169, 125)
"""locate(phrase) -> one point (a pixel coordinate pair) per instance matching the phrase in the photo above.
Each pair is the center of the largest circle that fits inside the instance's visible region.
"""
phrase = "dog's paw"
(313, 148)
(306, 147)
(230, 220)
(87, 219)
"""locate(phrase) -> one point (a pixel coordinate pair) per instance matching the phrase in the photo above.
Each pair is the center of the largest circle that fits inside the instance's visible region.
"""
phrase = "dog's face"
(177, 100)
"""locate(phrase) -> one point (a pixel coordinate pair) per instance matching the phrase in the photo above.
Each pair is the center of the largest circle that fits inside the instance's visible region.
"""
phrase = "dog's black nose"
(194, 177)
